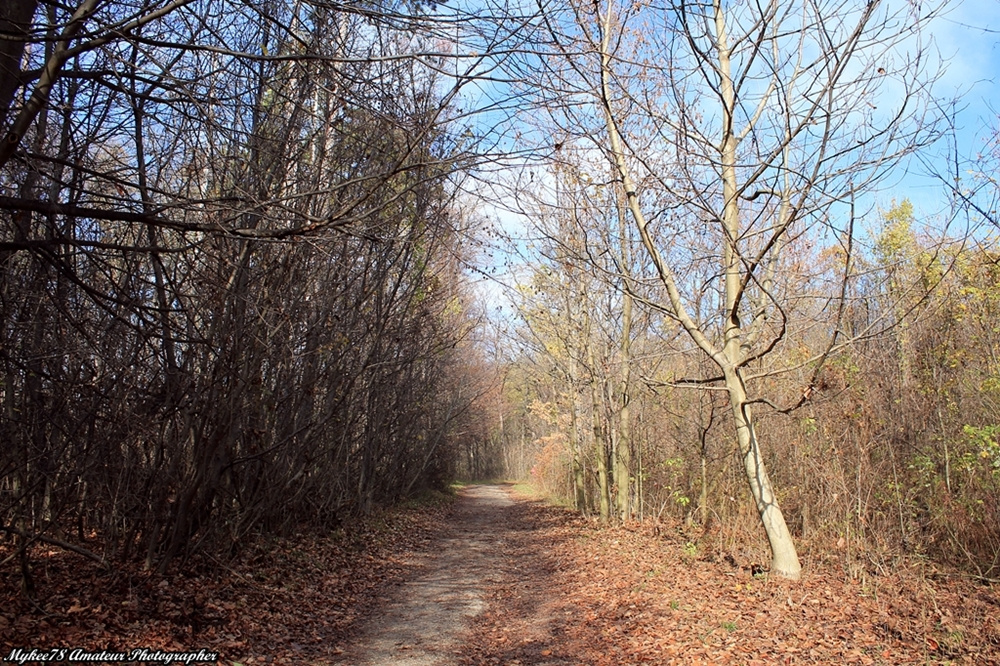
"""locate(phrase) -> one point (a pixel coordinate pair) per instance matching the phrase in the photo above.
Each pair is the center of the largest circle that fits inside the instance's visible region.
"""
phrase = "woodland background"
(238, 252)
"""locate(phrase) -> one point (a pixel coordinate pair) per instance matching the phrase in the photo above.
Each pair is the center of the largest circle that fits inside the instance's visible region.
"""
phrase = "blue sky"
(966, 39)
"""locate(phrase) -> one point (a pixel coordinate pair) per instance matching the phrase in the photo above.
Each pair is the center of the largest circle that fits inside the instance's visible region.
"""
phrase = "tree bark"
(600, 441)
(623, 449)
(15, 21)
(784, 558)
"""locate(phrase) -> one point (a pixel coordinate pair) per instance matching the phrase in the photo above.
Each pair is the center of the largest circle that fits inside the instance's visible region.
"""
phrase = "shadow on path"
(424, 622)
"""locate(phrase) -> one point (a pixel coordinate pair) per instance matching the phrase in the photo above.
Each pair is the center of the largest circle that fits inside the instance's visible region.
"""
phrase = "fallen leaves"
(611, 595)
(567, 591)
(287, 601)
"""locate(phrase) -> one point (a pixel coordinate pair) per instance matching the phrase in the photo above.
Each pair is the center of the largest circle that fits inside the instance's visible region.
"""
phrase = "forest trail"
(422, 624)
(426, 622)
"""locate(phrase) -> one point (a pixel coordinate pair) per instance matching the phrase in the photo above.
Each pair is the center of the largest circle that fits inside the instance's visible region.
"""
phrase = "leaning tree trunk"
(784, 559)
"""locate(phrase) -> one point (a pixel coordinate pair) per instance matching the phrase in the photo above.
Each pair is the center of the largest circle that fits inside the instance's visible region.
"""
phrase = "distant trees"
(231, 292)
(579, 320)
(933, 407)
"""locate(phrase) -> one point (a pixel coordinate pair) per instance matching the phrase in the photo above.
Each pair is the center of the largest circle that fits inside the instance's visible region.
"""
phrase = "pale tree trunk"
(576, 446)
(623, 449)
(576, 451)
(577, 328)
(784, 559)
(600, 443)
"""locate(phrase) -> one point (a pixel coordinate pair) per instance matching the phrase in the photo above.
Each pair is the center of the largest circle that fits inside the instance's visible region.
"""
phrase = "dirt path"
(424, 622)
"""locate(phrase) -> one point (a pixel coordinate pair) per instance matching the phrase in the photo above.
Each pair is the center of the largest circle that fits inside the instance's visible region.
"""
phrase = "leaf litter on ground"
(568, 591)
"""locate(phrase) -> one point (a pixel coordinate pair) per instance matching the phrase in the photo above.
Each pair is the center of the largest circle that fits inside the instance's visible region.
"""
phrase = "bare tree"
(230, 274)
(737, 132)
